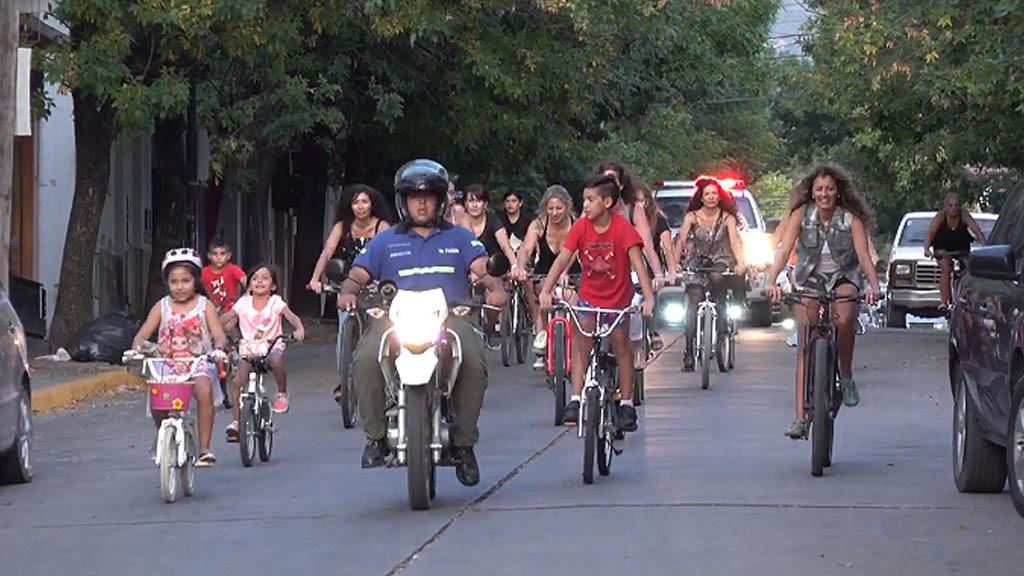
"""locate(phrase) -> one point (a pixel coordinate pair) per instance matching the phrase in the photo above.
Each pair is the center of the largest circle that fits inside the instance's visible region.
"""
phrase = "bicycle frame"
(591, 377)
(822, 328)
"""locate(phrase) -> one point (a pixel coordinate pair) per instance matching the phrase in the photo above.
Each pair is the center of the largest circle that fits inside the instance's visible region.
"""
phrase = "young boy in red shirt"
(608, 246)
(223, 280)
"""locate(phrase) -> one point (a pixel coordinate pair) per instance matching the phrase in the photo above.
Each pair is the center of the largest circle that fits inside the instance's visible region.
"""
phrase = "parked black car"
(986, 362)
(15, 398)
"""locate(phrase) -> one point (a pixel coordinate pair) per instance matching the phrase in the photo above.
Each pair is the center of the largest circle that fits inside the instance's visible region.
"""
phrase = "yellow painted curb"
(64, 394)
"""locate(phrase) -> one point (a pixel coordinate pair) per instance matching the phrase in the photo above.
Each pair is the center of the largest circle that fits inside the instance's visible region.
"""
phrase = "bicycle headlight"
(788, 323)
(735, 312)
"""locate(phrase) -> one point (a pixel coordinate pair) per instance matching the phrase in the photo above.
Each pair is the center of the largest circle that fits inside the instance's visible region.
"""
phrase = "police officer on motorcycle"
(423, 252)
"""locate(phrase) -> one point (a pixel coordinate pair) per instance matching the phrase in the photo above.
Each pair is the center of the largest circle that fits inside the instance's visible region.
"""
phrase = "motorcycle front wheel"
(419, 462)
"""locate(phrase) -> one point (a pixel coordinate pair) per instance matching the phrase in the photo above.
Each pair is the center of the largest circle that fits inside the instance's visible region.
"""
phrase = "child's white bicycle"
(169, 383)
(255, 416)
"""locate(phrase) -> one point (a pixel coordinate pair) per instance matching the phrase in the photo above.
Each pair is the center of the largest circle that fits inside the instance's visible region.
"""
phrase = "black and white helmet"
(417, 176)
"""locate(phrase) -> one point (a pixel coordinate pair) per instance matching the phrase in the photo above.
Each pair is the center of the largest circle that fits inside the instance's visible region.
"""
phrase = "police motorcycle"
(420, 360)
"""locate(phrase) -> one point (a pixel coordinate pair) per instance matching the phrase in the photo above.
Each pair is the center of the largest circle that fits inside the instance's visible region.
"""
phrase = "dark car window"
(1009, 229)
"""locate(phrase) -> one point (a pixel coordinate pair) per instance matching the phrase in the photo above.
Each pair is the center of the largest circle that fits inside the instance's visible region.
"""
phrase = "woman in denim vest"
(828, 224)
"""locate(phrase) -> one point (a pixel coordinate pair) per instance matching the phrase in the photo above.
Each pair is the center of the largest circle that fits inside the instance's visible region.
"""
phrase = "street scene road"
(708, 485)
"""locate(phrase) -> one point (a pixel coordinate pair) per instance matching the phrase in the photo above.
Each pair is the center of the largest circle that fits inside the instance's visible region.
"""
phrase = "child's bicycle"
(255, 416)
(169, 383)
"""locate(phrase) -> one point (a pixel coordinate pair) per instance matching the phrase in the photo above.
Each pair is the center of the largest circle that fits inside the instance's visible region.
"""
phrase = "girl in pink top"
(259, 316)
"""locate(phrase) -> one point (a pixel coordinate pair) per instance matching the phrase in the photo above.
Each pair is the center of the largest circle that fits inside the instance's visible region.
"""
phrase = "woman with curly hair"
(828, 224)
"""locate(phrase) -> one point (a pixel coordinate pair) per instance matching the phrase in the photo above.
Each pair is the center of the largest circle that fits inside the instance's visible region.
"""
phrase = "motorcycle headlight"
(418, 330)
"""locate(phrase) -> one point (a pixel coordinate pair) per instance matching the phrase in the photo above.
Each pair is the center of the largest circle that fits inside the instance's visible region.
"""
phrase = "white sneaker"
(540, 341)
(539, 363)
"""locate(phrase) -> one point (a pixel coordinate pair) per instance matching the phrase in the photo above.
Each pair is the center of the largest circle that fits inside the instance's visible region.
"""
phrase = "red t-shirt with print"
(605, 282)
(222, 287)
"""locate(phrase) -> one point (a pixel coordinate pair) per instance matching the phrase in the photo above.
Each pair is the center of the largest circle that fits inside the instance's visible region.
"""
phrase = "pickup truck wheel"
(895, 316)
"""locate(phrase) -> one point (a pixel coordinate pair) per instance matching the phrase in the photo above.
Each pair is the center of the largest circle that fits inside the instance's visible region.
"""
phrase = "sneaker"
(797, 430)
(467, 470)
(571, 413)
(688, 363)
(281, 403)
(539, 363)
(791, 340)
(231, 431)
(627, 418)
(373, 454)
(337, 394)
(850, 395)
(540, 341)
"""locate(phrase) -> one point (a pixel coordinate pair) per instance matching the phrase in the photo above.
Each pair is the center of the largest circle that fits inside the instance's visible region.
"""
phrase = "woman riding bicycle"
(709, 238)
(950, 232)
(360, 215)
(828, 224)
(545, 236)
(484, 224)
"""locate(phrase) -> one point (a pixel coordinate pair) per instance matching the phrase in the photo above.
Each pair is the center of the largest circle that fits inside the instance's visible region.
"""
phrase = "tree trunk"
(8, 67)
(94, 134)
(309, 234)
(263, 166)
(170, 207)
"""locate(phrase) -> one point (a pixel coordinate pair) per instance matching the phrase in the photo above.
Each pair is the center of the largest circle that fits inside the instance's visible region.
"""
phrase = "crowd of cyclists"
(614, 251)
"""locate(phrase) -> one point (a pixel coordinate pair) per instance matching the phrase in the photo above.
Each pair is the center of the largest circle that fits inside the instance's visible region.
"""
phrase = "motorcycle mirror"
(498, 265)
(335, 270)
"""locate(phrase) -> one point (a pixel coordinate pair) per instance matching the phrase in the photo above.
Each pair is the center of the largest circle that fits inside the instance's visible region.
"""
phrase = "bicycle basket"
(170, 382)
(253, 348)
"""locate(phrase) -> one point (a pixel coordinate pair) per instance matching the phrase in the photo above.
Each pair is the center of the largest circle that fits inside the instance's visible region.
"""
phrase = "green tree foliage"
(916, 98)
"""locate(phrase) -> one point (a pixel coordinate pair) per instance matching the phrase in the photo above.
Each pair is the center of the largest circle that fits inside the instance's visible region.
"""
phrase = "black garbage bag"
(104, 340)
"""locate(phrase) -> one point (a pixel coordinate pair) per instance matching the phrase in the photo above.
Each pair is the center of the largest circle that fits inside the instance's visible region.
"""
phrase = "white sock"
(627, 402)
(574, 398)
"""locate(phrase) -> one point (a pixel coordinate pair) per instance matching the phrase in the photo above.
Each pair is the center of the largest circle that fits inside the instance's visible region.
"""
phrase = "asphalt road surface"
(708, 485)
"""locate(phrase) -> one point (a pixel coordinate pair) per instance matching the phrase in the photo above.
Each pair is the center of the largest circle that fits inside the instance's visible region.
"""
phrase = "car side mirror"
(335, 271)
(993, 263)
(498, 265)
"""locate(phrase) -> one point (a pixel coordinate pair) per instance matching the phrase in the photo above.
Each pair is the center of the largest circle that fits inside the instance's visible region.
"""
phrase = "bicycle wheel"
(349, 339)
(732, 349)
(169, 466)
(266, 445)
(506, 335)
(705, 349)
(604, 441)
(559, 374)
(188, 471)
(591, 419)
(722, 353)
(247, 434)
(523, 339)
(819, 427)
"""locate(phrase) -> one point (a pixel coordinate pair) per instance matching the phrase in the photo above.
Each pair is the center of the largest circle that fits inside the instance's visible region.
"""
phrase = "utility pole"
(8, 75)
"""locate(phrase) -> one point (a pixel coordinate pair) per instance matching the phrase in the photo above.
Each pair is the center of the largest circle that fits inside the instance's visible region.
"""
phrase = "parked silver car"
(15, 398)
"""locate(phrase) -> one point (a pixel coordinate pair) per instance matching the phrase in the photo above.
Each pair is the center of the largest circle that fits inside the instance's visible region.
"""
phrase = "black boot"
(467, 470)
(373, 454)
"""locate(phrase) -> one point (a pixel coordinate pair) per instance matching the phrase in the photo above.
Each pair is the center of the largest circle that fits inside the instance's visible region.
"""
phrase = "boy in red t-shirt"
(608, 246)
(223, 280)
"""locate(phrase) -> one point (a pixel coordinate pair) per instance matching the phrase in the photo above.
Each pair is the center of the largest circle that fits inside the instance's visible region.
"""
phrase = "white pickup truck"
(913, 279)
